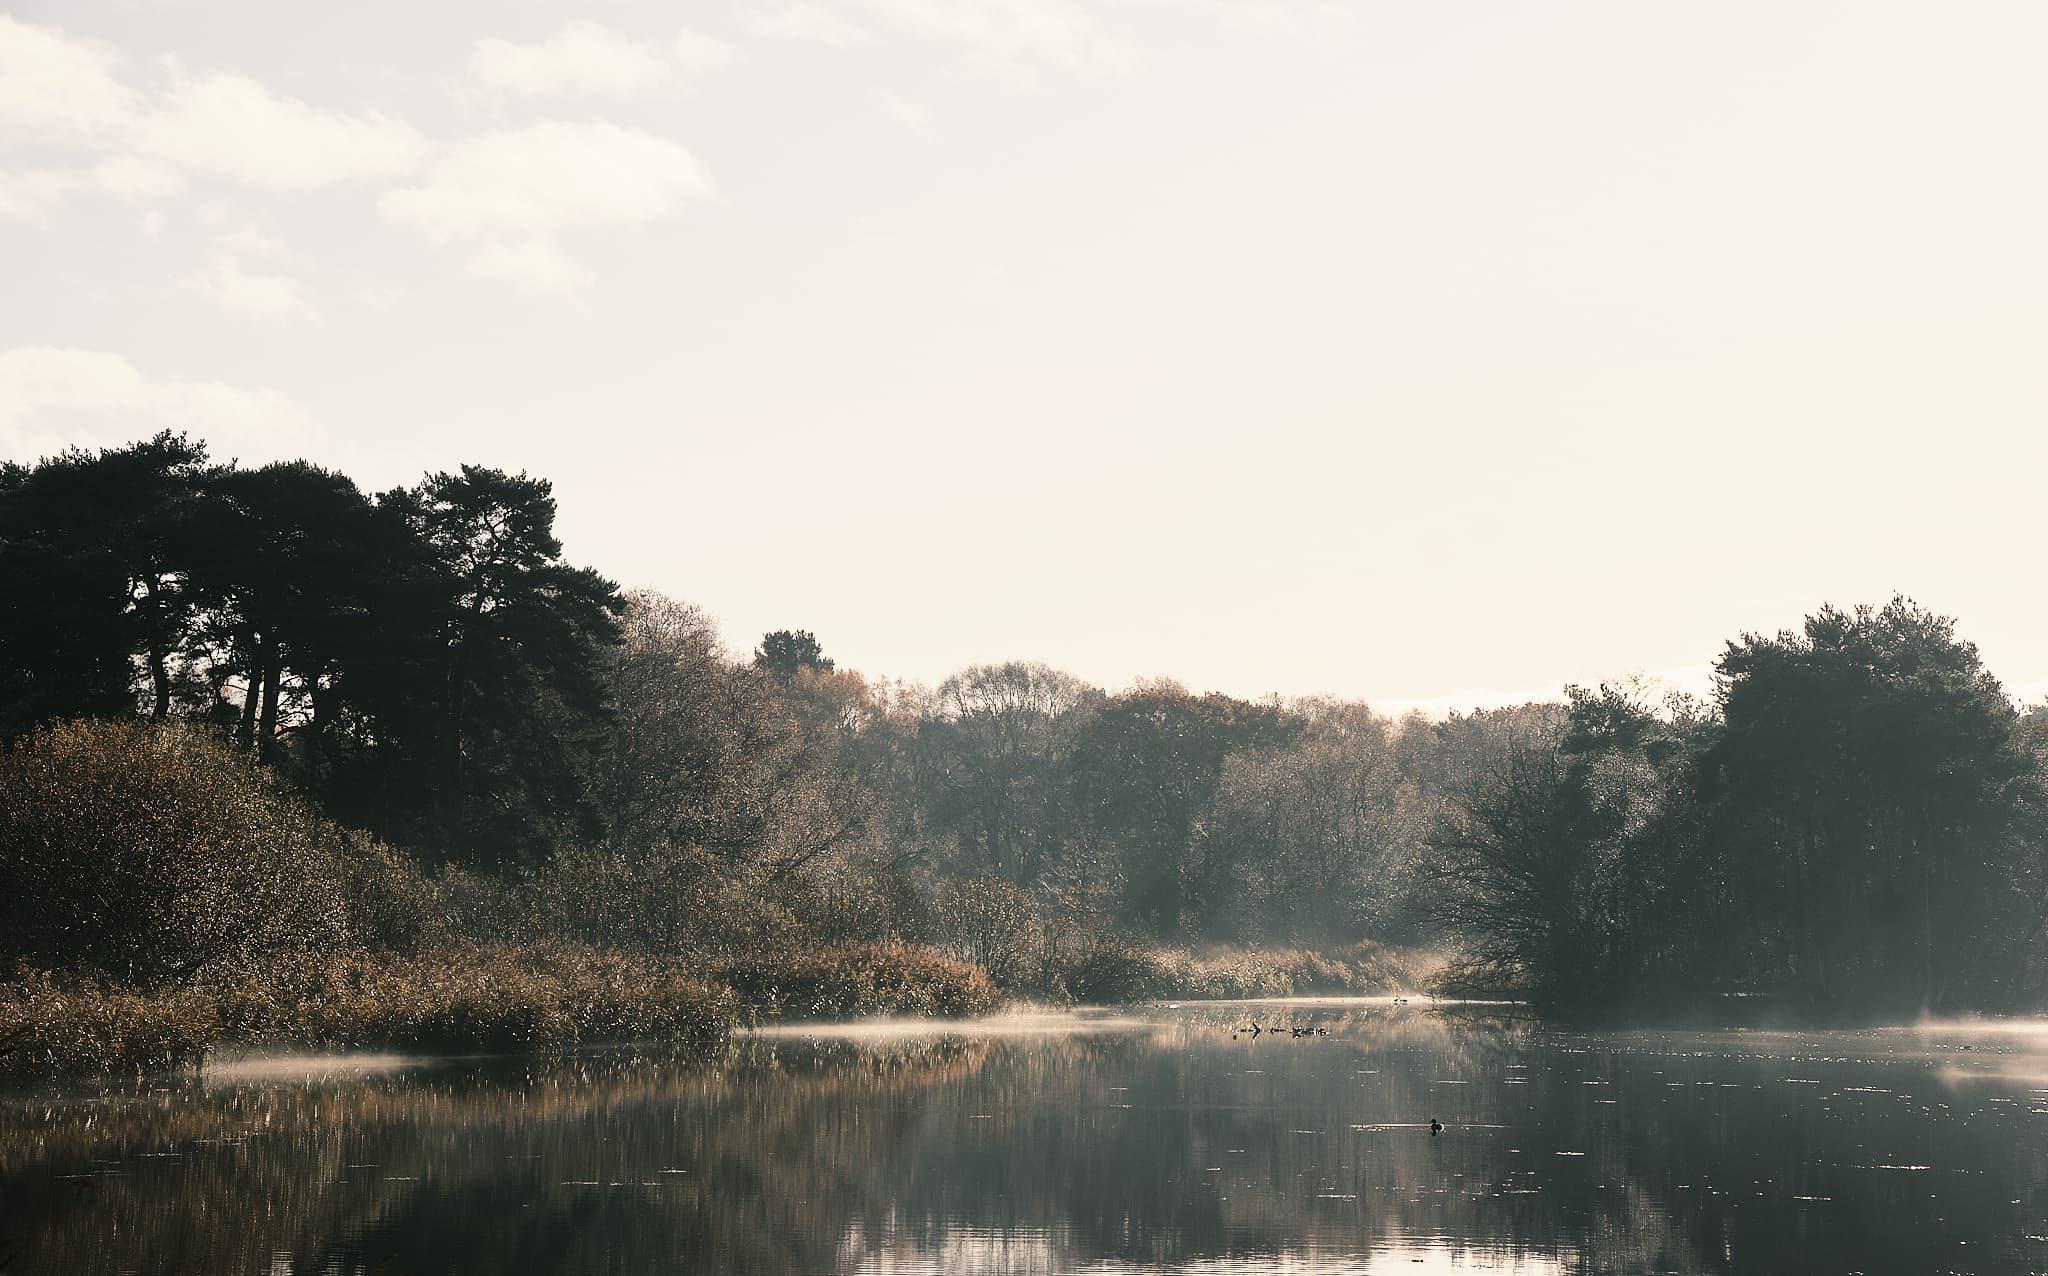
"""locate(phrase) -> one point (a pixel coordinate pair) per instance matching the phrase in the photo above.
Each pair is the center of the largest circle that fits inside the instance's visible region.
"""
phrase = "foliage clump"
(156, 853)
(1860, 795)
(1112, 969)
(503, 996)
(842, 981)
(79, 1022)
(500, 997)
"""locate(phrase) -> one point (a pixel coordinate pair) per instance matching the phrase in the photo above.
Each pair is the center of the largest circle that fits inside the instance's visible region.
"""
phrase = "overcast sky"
(1429, 353)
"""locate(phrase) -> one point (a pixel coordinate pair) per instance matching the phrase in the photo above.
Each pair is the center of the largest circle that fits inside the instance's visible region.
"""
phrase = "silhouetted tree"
(283, 563)
(786, 651)
(1511, 852)
(92, 566)
(1875, 807)
(518, 692)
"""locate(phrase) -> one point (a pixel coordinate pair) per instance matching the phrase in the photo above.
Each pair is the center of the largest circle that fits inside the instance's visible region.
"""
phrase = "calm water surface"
(1132, 1141)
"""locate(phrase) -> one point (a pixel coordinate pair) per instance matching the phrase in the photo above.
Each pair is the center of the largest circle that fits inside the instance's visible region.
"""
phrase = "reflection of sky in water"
(969, 1249)
(305, 1067)
(1152, 1140)
(1019, 1023)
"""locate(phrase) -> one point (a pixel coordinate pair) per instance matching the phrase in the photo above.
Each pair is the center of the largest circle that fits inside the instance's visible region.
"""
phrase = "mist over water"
(1158, 1139)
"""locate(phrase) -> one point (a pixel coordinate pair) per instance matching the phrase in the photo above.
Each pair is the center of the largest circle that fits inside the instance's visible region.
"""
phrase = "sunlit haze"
(1435, 355)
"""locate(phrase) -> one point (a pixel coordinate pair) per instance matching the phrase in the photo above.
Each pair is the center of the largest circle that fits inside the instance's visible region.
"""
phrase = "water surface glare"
(1138, 1140)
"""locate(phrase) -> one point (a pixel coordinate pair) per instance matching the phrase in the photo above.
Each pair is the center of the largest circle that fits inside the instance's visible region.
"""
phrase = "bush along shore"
(173, 899)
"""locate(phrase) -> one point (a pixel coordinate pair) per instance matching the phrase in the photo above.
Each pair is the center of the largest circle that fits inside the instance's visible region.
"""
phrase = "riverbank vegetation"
(291, 762)
(1856, 826)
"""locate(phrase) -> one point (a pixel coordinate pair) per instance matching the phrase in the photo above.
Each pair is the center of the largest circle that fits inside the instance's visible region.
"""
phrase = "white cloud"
(133, 178)
(546, 177)
(231, 126)
(52, 398)
(1062, 34)
(699, 53)
(1014, 37)
(380, 296)
(30, 196)
(801, 21)
(1251, 17)
(55, 90)
(513, 190)
(1257, 17)
(250, 242)
(272, 298)
(582, 57)
(534, 265)
(909, 114)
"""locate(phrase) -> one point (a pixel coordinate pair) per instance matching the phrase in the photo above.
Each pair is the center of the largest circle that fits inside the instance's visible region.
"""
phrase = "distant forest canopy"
(1858, 817)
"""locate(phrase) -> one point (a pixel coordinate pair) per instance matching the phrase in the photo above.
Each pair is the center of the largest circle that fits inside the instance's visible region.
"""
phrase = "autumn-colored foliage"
(1113, 970)
(527, 997)
(154, 854)
(169, 898)
(845, 980)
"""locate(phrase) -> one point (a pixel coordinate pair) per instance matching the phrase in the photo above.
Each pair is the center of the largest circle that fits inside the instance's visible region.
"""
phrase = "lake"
(1142, 1140)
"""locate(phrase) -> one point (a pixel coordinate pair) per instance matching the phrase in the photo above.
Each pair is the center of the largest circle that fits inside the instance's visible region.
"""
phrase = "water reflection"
(1134, 1142)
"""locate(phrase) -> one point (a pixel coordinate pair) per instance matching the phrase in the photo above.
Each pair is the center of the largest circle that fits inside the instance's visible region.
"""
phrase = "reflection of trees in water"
(1236, 1145)
(1049, 1150)
(1711, 1129)
(492, 1167)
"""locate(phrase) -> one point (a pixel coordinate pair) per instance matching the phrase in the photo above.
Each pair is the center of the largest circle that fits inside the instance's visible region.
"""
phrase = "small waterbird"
(1436, 1127)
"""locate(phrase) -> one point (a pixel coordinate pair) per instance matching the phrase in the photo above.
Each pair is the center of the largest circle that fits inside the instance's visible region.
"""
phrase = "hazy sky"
(1430, 353)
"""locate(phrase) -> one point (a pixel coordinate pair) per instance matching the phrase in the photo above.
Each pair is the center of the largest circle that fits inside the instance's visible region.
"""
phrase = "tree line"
(1856, 814)
(1858, 822)
(422, 659)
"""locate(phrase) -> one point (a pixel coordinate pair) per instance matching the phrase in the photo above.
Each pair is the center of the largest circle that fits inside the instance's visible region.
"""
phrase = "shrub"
(540, 997)
(1370, 967)
(76, 1023)
(537, 996)
(480, 909)
(392, 903)
(843, 981)
(911, 979)
(1110, 969)
(995, 924)
(671, 901)
(153, 852)
(840, 903)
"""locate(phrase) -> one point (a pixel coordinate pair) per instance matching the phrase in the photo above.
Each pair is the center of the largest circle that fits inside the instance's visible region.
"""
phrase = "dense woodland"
(1856, 822)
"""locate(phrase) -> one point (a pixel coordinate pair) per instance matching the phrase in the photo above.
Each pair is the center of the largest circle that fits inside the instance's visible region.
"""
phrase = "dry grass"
(536, 997)
(845, 981)
(78, 1023)
(1109, 971)
(533, 997)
